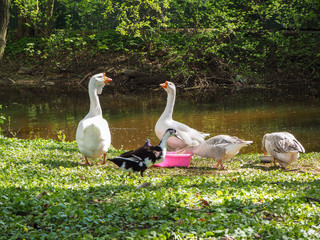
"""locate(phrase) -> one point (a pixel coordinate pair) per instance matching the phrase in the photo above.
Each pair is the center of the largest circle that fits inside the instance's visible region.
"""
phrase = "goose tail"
(247, 142)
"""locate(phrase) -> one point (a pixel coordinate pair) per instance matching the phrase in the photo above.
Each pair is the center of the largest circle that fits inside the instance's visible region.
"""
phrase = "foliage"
(2, 118)
(138, 15)
(46, 194)
(206, 41)
(65, 49)
(81, 15)
(30, 9)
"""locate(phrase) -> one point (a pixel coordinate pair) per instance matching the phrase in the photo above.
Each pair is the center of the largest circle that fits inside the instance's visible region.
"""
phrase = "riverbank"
(190, 59)
(46, 193)
(127, 80)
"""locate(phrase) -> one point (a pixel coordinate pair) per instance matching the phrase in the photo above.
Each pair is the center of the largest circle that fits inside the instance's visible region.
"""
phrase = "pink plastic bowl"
(175, 160)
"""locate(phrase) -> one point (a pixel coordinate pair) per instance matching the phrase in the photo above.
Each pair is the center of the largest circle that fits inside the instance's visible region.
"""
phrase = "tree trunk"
(49, 17)
(24, 26)
(21, 25)
(4, 23)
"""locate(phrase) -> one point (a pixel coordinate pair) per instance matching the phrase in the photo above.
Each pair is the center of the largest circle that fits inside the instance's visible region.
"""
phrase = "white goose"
(93, 135)
(189, 136)
(282, 147)
(220, 147)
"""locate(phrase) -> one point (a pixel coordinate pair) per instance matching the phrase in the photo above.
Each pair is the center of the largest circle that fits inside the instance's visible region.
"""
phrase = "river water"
(247, 113)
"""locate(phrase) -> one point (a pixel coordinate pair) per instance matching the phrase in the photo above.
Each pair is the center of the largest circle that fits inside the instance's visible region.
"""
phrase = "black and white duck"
(144, 157)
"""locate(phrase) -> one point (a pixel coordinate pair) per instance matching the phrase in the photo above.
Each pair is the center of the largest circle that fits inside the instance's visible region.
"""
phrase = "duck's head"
(98, 81)
(147, 143)
(168, 86)
(172, 132)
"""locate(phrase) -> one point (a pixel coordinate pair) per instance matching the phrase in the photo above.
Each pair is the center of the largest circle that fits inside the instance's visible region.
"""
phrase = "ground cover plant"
(46, 194)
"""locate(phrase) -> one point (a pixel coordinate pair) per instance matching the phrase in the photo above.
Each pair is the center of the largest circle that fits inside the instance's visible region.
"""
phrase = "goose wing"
(189, 135)
(284, 143)
(222, 146)
(293, 144)
(223, 140)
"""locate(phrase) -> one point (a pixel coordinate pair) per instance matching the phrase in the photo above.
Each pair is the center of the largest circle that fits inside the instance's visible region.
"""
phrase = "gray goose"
(283, 147)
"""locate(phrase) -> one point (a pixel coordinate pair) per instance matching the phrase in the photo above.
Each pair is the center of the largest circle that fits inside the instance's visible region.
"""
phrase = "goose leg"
(222, 167)
(86, 161)
(218, 164)
(282, 166)
(274, 162)
(104, 159)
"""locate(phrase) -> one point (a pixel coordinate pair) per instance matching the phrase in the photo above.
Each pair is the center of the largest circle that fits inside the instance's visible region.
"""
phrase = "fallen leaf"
(154, 218)
(98, 201)
(46, 205)
(204, 202)
(143, 185)
(179, 222)
(42, 194)
(257, 235)
(308, 187)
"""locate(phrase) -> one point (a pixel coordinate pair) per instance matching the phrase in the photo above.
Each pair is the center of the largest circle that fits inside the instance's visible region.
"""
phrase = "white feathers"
(93, 135)
(189, 136)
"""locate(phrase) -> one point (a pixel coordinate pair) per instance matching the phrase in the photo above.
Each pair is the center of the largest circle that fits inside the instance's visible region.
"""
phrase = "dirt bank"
(130, 73)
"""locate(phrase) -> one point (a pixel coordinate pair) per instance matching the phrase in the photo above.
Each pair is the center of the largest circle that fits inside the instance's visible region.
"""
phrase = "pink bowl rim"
(174, 154)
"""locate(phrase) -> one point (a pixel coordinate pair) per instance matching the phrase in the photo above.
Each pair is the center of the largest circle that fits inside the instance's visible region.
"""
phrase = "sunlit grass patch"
(47, 194)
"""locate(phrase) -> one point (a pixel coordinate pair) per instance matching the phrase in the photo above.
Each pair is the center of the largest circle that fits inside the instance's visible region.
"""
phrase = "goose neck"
(168, 111)
(95, 108)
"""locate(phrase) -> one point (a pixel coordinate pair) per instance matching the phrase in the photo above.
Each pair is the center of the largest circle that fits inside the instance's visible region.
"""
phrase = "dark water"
(247, 113)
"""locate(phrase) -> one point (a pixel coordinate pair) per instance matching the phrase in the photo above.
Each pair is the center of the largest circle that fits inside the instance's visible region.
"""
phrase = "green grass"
(46, 194)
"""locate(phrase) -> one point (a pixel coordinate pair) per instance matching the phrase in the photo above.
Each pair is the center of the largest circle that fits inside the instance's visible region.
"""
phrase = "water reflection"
(246, 113)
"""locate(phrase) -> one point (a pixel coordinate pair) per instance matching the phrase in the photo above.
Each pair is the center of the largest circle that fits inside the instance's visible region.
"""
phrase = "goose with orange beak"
(188, 135)
(93, 134)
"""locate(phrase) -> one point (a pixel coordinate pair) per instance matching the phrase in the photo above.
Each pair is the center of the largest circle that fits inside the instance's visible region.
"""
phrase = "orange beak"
(106, 79)
(164, 85)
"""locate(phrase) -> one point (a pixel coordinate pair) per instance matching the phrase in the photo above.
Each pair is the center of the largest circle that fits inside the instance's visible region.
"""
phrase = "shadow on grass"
(57, 163)
(188, 171)
(70, 149)
(257, 165)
